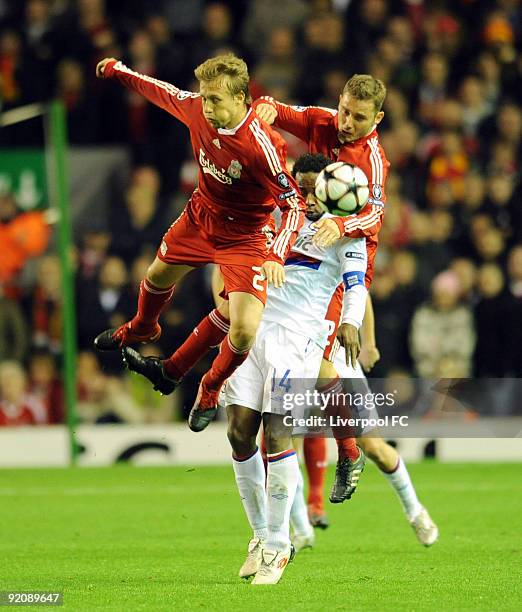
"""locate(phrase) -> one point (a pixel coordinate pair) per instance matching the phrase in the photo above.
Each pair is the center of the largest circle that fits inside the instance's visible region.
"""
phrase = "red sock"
(337, 408)
(347, 448)
(209, 332)
(151, 301)
(228, 360)
(315, 460)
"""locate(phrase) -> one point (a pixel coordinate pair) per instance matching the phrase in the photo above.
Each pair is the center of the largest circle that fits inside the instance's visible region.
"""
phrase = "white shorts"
(280, 364)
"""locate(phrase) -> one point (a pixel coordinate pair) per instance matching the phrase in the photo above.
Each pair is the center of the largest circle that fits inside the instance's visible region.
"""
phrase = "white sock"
(250, 480)
(283, 474)
(400, 480)
(299, 512)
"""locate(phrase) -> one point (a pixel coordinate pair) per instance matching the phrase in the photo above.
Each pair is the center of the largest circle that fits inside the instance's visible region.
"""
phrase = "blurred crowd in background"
(447, 291)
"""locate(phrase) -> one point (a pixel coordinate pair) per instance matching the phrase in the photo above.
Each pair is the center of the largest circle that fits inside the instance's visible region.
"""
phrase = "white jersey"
(312, 275)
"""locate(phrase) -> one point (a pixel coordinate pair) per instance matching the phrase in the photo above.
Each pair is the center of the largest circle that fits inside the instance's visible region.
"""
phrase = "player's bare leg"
(351, 458)
(394, 470)
(281, 486)
(249, 470)
(156, 291)
(245, 312)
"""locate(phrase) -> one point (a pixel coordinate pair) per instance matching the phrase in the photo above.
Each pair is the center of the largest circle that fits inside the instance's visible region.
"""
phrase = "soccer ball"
(342, 188)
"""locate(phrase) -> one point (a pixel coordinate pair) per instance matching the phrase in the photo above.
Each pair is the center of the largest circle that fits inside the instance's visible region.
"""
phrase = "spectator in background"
(23, 235)
(433, 86)
(449, 165)
(217, 33)
(489, 72)
(278, 68)
(44, 383)
(14, 332)
(142, 221)
(324, 46)
(17, 405)
(264, 15)
(489, 245)
(442, 334)
(432, 256)
(395, 108)
(513, 315)
(490, 325)
(45, 305)
(94, 248)
(102, 398)
(475, 106)
(466, 271)
(82, 111)
(106, 302)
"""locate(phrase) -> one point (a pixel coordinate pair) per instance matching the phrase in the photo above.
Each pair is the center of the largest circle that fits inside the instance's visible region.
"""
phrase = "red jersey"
(242, 171)
(318, 127)
(29, 411)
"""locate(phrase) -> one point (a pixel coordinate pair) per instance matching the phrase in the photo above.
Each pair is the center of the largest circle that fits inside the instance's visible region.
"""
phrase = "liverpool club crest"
(234, 170)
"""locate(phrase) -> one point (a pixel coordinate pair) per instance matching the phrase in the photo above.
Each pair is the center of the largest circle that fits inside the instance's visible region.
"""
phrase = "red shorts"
(197, 238)
(333, 316)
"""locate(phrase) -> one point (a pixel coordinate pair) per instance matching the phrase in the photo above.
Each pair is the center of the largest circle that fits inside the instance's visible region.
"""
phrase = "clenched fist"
(100, 68)
(267, 113)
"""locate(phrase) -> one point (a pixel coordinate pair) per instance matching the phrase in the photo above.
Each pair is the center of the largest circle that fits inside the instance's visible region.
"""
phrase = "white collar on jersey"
(231, 131)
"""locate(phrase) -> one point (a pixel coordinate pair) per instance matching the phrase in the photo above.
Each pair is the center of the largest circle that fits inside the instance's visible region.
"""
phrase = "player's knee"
(240, 440)
(275, 443)
(242, 334)
(374, 449)
(156, 275)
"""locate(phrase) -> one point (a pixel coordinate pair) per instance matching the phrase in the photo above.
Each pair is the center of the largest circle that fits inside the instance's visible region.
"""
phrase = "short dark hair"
(310, 162)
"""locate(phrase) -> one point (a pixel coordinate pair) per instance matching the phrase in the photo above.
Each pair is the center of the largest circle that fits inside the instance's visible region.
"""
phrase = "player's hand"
(349, 338)
(327, 232)
(274, 273)
(100, 67)
(266, 112)
(368, 357)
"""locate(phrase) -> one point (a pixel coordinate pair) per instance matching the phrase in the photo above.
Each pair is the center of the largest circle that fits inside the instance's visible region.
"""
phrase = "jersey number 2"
(257, 281)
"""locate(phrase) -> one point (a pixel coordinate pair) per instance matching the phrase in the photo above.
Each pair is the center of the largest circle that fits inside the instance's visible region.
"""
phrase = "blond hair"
(366, 87)
(226, 66)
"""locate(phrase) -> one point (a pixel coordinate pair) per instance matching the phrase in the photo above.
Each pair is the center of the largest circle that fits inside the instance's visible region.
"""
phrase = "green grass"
(128, 538)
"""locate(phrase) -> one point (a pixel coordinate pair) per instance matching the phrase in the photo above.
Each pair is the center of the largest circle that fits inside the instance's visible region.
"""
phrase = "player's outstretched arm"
(363, 225)
(369, 354)
(292, 119)
(354, 301)
(175, 101)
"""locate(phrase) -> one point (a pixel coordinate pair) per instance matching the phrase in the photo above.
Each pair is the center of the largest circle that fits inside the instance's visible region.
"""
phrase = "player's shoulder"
(322, 114)
(266, 143)
(260, 131)
(374, 146)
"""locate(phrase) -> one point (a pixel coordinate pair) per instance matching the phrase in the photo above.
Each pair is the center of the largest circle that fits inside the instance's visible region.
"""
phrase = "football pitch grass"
(127, 538)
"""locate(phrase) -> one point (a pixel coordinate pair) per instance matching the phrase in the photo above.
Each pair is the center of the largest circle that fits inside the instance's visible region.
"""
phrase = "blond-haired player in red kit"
(242, 177)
